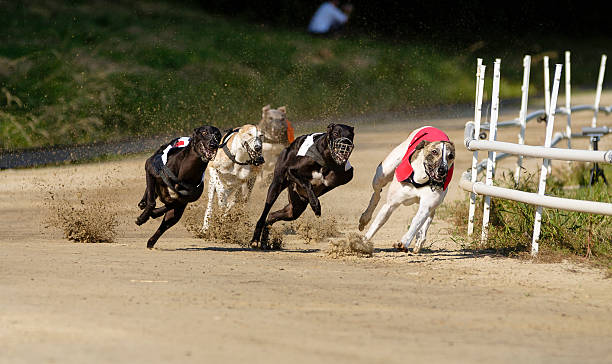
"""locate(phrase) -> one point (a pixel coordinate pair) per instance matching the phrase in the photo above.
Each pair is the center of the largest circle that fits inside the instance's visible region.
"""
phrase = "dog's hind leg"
(170, 218)
(379, 181)
(276, 187)
(143, 202)
(381, 218)
(150, 200)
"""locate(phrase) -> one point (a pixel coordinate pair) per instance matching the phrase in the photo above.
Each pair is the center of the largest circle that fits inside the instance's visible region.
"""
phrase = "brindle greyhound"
(273, 126)
(424, 180)
(309, 167)
(179, 179)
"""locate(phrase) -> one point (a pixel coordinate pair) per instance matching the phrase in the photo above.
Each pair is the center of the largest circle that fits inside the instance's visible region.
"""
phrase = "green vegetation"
(85, 71)
(564, 233)
(81, 71)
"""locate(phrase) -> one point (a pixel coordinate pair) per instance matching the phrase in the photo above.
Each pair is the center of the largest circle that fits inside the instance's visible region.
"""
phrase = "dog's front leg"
(314, 202)
(423, 216)
(421, 235)
(212, 185)
(170, 218)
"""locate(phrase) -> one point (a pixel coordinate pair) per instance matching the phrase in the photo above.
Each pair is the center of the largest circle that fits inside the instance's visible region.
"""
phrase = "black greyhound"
(179, 179)
(307, 172)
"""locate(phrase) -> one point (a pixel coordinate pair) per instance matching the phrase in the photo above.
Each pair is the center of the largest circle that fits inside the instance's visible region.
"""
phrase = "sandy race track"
(201, 301)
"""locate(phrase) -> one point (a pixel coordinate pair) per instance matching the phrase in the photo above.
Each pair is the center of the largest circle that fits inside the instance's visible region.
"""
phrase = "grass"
(83, 71)
(74, 72)
(564, 234)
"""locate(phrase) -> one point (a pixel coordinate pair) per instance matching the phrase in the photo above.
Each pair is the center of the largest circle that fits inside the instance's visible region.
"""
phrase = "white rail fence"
(469, 180)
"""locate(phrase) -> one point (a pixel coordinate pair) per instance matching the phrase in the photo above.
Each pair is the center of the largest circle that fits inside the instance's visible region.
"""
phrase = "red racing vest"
(430, 134)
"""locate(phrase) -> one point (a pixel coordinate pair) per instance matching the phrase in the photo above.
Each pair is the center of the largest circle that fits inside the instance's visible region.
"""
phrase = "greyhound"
(277, 135)
(175, 174)
(234, 171)
(423, 166)
(309, 167)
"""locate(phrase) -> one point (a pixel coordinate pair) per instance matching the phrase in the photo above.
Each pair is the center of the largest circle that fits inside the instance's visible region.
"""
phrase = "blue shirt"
(326, 16)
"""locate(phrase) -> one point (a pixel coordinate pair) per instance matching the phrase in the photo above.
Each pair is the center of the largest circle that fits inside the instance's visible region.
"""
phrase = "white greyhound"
(419, 170)
(234, 169)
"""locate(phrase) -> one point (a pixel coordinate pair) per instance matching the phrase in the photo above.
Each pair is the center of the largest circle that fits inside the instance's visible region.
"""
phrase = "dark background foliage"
(434, 20)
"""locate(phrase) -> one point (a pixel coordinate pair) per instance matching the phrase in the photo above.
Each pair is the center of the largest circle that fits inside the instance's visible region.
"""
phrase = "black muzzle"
(341, 149)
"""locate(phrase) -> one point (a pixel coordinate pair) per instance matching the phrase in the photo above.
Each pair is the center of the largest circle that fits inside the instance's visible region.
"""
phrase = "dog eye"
(434, 152)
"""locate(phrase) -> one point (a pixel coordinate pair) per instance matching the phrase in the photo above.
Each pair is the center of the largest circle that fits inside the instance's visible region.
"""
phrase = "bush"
(567, 232)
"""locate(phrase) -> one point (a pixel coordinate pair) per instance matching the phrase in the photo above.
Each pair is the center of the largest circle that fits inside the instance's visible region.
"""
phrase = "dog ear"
(330, 127)
(283, 109)
(264, 110)
(421, 145)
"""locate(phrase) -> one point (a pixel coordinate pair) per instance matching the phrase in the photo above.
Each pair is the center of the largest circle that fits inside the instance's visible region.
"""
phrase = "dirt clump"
(233, 227)
(352, 244)
(83, 217)
(314, 230)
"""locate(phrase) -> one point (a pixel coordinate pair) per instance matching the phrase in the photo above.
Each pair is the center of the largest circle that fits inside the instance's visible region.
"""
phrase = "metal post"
(546, 85)
(602, 70)
(480, 77)
(547, 94)
(568, 97)
(550, 121)
(492, 128)
(523, 113)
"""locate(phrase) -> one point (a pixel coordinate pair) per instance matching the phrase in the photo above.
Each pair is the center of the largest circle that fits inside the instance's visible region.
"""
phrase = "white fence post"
(480, 76)
(550, 121)
(492, 134)
(568, 97)
(602, 70)
(546, 85)
(523, 113)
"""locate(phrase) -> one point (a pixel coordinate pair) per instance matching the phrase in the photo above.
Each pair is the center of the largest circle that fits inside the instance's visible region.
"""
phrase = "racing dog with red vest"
(419, 170)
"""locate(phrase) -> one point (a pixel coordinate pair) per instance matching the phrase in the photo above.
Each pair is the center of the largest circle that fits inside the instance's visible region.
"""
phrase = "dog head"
(438, 159)
(340, 142)
(273, 124)
(251, 139)
(205, 140)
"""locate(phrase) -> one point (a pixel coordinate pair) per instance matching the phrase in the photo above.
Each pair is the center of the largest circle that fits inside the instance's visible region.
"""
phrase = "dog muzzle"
(437, 176)
(209, 154)
(341, 149)
(255, 158)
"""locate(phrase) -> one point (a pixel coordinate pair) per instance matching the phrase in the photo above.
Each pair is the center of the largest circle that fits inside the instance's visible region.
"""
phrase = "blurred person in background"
(329, 18)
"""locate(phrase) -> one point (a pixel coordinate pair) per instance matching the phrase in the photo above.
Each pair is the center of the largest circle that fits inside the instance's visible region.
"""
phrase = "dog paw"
(316, 208)
(400, 247)
(362, 223)
(141, 219)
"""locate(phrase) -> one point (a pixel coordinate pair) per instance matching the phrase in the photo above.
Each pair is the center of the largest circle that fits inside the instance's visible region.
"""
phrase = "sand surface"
(201, 301)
